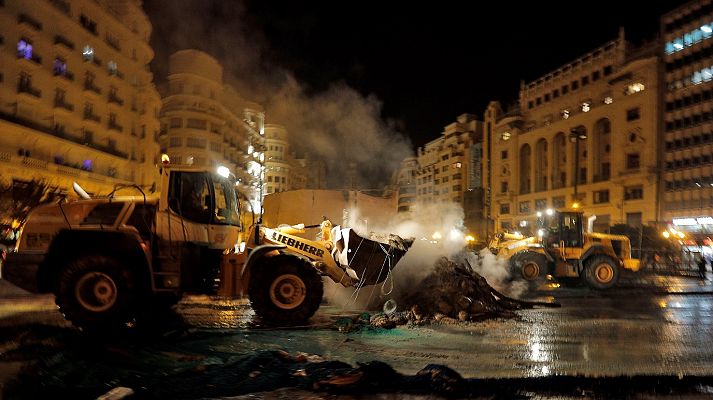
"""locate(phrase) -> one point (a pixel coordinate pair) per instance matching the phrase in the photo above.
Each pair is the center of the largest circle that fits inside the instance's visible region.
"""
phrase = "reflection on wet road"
(623, 332)
(634, 330)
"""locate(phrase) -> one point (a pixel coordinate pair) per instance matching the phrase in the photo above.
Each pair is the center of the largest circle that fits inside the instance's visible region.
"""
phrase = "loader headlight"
(223, 171)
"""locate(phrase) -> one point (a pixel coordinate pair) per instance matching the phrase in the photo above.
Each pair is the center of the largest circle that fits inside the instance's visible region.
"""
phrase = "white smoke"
(438, 231)
(337, 125)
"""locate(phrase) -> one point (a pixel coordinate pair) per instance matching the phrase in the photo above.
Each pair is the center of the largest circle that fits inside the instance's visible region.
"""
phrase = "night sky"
(426, 63)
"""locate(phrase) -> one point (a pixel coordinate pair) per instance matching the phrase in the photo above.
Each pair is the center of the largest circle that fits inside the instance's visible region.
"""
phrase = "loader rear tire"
(601, 272)
(285, 290)
(95, 293)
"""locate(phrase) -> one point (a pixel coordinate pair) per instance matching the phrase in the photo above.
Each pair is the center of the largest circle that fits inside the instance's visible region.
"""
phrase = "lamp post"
(575, 135)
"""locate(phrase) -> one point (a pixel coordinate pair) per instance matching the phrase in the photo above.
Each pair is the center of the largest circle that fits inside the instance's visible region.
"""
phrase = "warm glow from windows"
(88, 53)
(635, 88)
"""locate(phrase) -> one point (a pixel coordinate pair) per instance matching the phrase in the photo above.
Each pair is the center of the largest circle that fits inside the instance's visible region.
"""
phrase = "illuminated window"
(634, 88)
(112, 67)
(586, 106)
(608, 100)
(59, 67)
(565, 114)
(88, 53)
(24, 49)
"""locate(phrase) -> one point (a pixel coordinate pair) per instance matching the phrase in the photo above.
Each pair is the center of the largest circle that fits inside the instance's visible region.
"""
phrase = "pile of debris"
(455, 290)
(452, 292)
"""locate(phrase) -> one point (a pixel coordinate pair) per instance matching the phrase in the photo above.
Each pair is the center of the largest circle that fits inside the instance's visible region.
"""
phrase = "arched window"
(602, 150)
(559, 169)
(541, 165)
(525, 168)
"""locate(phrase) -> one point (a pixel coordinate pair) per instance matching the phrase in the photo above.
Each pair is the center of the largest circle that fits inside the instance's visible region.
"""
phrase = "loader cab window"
(189, 196)
(203, 198)
(225, 209)
(571, 229)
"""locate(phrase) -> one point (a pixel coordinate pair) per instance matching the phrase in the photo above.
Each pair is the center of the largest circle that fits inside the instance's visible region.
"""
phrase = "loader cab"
(564, 229)
(203, 197)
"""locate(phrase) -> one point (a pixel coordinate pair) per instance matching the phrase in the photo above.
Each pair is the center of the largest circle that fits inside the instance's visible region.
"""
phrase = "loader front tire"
(601, 272)
(285, 290)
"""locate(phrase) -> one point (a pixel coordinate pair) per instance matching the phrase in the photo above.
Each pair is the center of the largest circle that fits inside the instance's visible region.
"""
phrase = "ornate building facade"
(77, 99)
(583, 135)
(206, 123)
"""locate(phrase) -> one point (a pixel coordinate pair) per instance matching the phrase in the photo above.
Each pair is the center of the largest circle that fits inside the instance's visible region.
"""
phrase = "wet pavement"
(651, 325)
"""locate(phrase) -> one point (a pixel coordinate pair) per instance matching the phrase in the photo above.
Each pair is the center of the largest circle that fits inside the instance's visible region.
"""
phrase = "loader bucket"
(368, 261)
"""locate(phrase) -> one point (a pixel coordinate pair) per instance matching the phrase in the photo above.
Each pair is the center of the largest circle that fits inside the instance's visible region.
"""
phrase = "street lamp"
(575, 135)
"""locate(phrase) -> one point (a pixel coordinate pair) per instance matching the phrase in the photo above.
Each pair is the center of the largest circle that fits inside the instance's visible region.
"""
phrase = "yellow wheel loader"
(565, 248)
(107, 260)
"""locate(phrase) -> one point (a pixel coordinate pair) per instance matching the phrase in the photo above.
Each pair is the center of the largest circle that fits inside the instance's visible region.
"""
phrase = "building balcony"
(60, 133)
(64, 75)
(89, 116)
(92, 88)
(24, 19)
(30, 61)
(115, 127)
(113, 43)
(29, 90)
(61, 5)
(62, 105)
(630, 171)
(62, 41)
(60, 167)
(505, 195)
(117, 75)
(113, 98)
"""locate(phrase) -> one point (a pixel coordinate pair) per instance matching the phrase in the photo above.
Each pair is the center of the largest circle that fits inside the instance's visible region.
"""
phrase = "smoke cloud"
(438, 230)
(337, 125)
